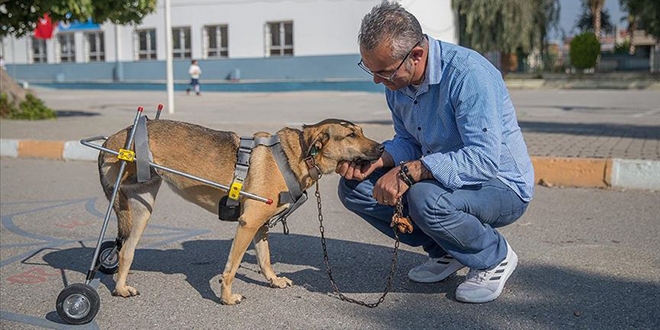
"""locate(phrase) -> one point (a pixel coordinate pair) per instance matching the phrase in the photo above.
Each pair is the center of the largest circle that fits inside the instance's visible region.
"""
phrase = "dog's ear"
(317, 142)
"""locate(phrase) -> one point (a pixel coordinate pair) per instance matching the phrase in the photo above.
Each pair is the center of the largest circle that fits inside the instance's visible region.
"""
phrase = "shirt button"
(415, 101)
(419, 128)
(428, 151)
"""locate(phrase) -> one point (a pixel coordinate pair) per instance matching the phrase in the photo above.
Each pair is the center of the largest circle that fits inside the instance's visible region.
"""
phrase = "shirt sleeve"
(477, 109)
(403, 146)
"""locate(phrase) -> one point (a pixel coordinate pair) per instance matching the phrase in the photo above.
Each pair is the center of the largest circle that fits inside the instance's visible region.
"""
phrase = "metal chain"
(388, 286)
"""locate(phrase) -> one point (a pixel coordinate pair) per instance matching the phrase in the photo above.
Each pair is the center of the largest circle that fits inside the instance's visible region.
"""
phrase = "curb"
(548, 171)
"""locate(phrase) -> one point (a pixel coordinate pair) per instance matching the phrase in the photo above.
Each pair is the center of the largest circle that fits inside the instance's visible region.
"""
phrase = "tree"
(512, 26)
(596, 8)
(546, 18)
(502, 26)
(643, 14)
(19, 17)
(585, 22)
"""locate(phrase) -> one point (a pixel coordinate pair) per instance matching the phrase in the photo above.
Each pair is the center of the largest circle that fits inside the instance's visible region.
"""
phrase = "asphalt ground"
(588, 259)
(621, 124)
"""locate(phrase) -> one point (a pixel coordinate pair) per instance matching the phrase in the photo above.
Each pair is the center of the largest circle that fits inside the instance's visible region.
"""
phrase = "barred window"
(280, 38)
(181, 42)
(95, 46)
(216, 41)
(67, 45)
(145, 44)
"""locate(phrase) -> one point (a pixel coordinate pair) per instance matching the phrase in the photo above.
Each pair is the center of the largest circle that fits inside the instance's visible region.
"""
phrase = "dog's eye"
(352, 135)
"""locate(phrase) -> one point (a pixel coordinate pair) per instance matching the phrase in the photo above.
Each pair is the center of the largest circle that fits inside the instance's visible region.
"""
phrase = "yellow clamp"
(235, 189)
(127, 155)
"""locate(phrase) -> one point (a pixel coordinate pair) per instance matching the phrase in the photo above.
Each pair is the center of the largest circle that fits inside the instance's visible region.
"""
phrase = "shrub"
(585, 49)
(31, 109)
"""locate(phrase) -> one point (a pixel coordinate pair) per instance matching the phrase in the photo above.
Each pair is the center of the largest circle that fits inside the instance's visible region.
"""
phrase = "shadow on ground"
(537, 294)
(76, 113)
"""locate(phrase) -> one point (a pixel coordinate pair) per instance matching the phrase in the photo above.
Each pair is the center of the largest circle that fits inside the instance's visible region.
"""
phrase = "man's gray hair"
(390, 22)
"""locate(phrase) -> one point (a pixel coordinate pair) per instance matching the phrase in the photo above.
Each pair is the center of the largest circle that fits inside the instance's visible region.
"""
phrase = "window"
(181, 42)
(215, 41)
(39, 50)
(95, 47)
(67, 47)
(280, 39)
(145, 44)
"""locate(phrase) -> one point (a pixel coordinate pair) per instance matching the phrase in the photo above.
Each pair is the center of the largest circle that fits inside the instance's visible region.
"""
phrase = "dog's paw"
(280, 282)
(234, 300)
(126, 292)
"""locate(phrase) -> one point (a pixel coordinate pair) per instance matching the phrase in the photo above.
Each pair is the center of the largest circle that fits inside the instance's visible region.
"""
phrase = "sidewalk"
(581, 138)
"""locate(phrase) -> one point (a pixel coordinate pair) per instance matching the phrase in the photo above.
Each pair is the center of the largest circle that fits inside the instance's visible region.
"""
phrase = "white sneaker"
(435, 269)
(482, 286)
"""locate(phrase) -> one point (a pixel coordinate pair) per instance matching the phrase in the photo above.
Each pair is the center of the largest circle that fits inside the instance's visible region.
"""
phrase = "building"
(251, 41)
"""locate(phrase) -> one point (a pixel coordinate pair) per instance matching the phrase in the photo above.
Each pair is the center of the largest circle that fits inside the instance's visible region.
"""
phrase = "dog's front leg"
(263, 257)
(244, 234)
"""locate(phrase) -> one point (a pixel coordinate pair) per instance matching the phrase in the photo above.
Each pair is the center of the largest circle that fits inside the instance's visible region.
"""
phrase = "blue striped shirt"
(461, 122)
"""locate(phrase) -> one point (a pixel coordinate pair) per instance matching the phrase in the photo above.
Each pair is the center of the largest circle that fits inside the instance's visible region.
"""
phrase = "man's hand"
(390, 187)
(355, 171)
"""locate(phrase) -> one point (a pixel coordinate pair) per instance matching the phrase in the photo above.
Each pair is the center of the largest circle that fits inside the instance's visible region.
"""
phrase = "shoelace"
(478, 275)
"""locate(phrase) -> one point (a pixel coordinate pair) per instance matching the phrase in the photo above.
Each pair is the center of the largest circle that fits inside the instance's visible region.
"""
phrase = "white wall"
(321, 27)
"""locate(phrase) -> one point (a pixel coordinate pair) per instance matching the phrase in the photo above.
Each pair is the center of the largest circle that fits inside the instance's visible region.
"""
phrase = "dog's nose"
(380, 148)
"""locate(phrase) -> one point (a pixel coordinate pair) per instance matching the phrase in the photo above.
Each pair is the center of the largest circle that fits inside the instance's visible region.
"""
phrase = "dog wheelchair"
(79, 303)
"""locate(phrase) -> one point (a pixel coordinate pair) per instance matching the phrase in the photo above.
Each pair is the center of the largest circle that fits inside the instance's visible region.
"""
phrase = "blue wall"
(338, 72)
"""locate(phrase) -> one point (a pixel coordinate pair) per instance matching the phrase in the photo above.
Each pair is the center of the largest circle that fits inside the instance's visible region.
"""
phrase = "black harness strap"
(294, 195)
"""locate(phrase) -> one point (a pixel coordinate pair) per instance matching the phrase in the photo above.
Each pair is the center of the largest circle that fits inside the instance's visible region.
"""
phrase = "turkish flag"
(44, 28)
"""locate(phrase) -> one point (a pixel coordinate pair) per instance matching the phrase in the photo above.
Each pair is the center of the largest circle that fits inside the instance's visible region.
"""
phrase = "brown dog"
(212, 155)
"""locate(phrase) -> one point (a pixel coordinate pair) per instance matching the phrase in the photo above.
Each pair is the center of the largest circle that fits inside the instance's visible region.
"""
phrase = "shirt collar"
(434, 65)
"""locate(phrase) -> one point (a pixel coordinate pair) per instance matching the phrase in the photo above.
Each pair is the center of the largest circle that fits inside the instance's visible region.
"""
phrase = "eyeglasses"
(380, 75)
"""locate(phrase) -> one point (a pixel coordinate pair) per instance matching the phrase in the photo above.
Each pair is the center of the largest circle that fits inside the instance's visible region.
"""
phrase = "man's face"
(393, 73)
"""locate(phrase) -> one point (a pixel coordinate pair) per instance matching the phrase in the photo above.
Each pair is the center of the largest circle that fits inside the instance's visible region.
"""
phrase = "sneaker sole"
(498, 292)
(440, 277)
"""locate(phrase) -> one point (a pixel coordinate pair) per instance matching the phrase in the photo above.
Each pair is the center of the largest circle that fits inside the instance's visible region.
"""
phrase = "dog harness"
(294, 194)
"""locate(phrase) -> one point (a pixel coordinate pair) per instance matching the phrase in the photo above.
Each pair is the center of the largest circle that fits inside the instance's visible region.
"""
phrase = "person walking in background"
(195, 71)
(457, 161)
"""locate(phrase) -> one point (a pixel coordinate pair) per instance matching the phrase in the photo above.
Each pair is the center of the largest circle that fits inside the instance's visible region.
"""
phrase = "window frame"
(184, 51)
(99, 42)
(283, 49)
(222, 44)
(42, 55)
(68, 56)
(150, 53)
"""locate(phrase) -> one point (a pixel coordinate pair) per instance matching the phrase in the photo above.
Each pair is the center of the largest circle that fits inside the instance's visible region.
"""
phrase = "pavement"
(588, 257)
(578, 138)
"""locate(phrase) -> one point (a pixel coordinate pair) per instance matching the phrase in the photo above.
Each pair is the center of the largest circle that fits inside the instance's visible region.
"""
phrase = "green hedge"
(585, 49)
(31, 109)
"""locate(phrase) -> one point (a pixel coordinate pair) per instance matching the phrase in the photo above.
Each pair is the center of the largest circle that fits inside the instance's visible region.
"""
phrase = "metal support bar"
(87, 142)
(106, 219)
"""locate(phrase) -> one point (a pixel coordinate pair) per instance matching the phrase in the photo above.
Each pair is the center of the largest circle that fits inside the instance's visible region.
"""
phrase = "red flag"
(44, 28)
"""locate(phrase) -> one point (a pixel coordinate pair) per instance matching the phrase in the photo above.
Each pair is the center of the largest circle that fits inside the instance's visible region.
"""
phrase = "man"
(458, 159)
(195, 71)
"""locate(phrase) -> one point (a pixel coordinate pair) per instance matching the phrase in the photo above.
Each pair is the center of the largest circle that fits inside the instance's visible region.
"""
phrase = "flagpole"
(168, 58)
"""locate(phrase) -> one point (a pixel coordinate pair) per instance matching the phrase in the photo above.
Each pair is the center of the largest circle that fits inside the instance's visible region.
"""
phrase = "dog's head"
(333, 140)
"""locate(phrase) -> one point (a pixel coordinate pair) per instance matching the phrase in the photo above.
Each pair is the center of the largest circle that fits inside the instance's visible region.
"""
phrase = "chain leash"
(390, 278)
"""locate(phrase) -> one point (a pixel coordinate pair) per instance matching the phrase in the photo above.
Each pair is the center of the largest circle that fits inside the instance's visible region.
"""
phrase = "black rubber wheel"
(78, 304)
(108, 257)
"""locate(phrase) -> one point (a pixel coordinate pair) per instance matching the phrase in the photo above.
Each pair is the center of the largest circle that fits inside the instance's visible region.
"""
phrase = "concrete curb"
(549, 171)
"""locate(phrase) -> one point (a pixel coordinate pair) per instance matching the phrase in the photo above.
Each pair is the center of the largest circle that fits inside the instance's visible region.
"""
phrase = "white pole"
(168, 58)
(119, 74)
